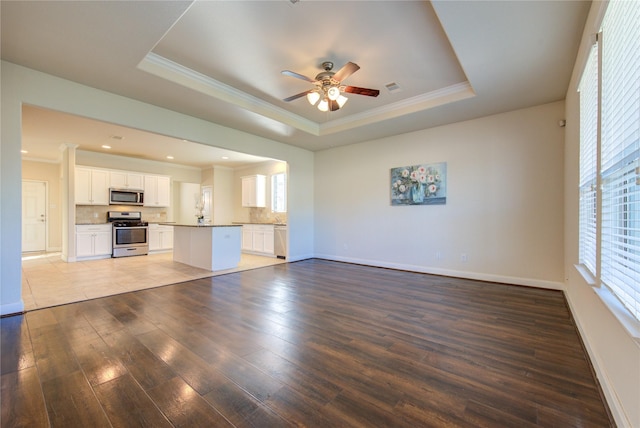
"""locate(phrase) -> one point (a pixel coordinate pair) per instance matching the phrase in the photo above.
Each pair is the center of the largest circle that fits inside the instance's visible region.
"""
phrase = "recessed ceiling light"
(104, 146)
(24, 151)
(225, 157)
(169, 157)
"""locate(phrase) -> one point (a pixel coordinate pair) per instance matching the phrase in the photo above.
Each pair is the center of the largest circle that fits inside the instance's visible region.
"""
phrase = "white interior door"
(34, 216)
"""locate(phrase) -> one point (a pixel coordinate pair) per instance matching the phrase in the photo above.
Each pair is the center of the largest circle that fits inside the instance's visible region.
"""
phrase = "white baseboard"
(12, 308)
(616, 408)
(503, 279)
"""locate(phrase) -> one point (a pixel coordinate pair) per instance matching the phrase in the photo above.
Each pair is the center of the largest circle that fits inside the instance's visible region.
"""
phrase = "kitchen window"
(279, 193)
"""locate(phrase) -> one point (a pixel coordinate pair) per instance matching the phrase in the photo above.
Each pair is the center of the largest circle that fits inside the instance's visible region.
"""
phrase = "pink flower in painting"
(414, 175)
(405, 173)
(432, 188)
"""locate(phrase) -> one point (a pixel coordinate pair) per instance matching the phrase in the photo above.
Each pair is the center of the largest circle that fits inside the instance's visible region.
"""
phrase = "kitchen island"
(209, 246)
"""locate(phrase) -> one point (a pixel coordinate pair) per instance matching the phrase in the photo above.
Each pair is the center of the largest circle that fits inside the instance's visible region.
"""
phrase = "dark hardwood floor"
(313, 343)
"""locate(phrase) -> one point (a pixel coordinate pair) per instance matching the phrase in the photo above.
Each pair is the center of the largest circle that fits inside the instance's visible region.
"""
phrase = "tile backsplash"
(265, 215)
(96, 214)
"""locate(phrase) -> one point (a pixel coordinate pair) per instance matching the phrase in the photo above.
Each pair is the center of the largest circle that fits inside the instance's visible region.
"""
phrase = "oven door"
(130, 241)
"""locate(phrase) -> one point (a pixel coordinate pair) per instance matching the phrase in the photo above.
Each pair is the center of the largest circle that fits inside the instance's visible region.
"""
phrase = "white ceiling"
(222, 60)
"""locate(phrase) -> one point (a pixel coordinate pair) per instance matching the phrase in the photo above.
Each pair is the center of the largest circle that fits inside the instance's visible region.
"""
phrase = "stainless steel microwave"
(126, 196)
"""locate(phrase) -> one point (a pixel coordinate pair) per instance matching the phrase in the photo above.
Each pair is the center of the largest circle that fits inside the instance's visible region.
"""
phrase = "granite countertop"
(266, 223)
(200, 225)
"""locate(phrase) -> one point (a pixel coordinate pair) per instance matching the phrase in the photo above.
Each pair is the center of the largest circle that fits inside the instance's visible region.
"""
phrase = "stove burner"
(131, 223)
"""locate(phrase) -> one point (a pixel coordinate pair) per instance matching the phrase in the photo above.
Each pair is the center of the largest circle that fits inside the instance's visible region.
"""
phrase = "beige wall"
(49, 173)
(503, 212)
(224, 193)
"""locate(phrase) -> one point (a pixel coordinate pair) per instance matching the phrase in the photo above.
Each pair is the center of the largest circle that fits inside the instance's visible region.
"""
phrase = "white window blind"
(588, 160)
(620, 152)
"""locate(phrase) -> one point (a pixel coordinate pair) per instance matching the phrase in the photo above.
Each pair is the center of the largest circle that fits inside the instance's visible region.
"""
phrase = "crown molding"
(184, 76)
(177, 73)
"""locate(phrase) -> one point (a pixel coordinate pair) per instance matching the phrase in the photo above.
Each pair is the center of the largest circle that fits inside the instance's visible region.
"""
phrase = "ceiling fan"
(329, 87)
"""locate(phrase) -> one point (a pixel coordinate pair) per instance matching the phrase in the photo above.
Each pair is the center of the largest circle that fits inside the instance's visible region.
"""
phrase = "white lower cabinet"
(258, 239)
(93, 240)
(160, 237)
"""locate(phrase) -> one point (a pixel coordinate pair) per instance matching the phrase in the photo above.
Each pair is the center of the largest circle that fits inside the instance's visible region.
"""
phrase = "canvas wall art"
(419, 184)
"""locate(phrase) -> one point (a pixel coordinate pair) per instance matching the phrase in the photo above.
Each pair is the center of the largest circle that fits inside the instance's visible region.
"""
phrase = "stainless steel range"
(130, 233)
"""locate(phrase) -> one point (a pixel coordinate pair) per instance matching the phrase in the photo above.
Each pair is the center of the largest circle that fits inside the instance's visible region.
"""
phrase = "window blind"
(620, 153)
(588, 161)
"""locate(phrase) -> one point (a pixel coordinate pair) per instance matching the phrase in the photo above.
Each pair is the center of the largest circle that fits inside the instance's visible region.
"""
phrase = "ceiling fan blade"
(361, 91)
(297, 76)
(347, 70)
(296, 96)
(333, 105)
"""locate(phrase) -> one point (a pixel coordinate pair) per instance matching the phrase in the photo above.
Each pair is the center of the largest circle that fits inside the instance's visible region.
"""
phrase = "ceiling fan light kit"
(328, 87)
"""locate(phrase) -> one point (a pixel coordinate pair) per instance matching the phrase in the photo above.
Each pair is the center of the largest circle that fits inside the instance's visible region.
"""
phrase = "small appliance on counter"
(130, 233)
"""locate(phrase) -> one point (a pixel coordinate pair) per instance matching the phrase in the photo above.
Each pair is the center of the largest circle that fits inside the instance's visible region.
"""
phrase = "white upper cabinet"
(91, 186)
(254, 191)
(126, 180)
(157, 191)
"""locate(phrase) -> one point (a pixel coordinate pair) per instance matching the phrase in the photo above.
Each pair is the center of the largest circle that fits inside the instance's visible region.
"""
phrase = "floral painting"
(419, 184)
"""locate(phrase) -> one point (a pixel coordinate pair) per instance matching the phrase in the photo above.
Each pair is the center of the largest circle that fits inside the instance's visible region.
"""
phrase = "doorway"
(34, 216)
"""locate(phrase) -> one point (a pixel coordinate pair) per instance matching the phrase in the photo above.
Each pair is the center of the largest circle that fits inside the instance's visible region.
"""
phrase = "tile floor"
(49, 281)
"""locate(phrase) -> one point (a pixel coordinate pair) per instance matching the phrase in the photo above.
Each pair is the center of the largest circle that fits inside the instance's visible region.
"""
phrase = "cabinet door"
(157, 191)
(118, 179)
(247, 238)
(99, 187)
(258, 241)
(102, 243)
(84, 244)
(248, 192)
(261, 191)
(150, 190)
(83, 186)
(163, 194)
(154, 238)
(269, 247)
(126, 180)
(135, 181)
(166, 239)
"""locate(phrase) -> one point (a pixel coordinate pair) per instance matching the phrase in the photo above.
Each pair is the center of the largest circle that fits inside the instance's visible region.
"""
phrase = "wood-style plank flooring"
(313, 343)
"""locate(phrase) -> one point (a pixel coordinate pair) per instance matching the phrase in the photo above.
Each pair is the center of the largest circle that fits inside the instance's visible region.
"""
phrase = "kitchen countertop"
(200, 225)
(261, 223)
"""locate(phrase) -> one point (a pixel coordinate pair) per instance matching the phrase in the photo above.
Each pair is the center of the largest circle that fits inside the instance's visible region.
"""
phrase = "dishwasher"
(280, 244)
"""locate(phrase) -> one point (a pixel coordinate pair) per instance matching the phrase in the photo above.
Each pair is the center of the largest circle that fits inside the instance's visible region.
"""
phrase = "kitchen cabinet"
(160, 237)
(254, 191)
(93, 240)
(126, 180)
(258, 239)
(91, 186)
(157, 191)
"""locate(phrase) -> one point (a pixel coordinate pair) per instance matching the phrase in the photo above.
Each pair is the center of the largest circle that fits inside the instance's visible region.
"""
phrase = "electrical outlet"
(463, 257)
(438, 255)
